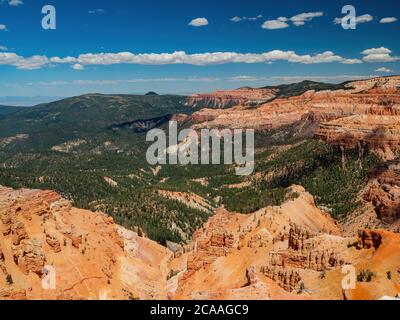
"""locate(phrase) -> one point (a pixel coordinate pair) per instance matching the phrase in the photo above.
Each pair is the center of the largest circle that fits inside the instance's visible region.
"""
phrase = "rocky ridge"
(290, 252)
(89, 256)
(366, 114)
(229, 98)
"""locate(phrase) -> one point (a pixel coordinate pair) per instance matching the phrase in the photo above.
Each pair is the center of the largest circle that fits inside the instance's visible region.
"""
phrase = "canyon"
(293, 251)
(366, 113)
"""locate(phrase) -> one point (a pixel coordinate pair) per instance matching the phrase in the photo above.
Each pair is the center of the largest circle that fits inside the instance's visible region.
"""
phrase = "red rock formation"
(289, 280)
(91, 256)
(271, 260)
(384, 192)
(230, 98)
(365, 115)
(294, 251)
(297, 237)
(29, 257)
(368, 239)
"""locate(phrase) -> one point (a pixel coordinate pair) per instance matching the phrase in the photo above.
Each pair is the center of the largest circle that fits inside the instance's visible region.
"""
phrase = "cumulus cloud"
(383, 69)
(199, 59)
(238, 19)
(3, 48)
(3, 27)
(302, 18)
(198, 22)
(63, 60)
(381, 50)
(364, 18)
(78, 66)
(210, 58)
(381, 54)
(30, 63)
(352, 61)
(360, 19)
(388, 20)
(15, 3)
(179, 57)
(297, 20)
(274, 24)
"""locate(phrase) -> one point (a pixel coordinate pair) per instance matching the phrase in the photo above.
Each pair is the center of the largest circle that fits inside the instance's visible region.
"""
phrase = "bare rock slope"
(80, 254)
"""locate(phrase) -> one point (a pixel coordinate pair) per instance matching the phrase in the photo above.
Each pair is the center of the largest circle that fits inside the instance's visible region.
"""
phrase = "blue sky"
(96, 46)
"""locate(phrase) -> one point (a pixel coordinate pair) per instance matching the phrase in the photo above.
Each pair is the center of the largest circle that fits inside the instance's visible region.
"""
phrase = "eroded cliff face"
(383, 191)
(380, 201)
(90, 257)
(295, 251)
(366, 114)
(229, 98)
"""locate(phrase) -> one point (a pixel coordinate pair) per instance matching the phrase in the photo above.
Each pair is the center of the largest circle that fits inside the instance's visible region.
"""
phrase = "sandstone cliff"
(294, 251)
(290, 252)
(366, 114)
(230, 98)
(78, 253)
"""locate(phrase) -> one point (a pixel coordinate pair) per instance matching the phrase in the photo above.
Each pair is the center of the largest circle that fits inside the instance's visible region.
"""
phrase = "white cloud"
(381, 50)
(388, 20)
(94, 11)
(210, 58)
(364, 18)
(78, 66)
(274, 24)
(383, 69)
(3, 48)
(63, 60)
(198, 22)
(352, 61)
(238, 19)
(297, 20)
(200, 59)
(15, 3)
(3, 27)
(381, 54)
(302, 18)
(360, 19)
(30, 63)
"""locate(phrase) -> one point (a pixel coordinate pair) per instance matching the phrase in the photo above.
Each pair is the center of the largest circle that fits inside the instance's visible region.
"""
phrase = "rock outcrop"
(294, 251)
(365, 115)
(230, 98)
(211, 243)
(368, 239)
(84, 255)
(383, 192)
(289, 280)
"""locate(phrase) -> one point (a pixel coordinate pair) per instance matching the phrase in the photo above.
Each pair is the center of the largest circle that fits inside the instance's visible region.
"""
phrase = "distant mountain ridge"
(254, 96)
